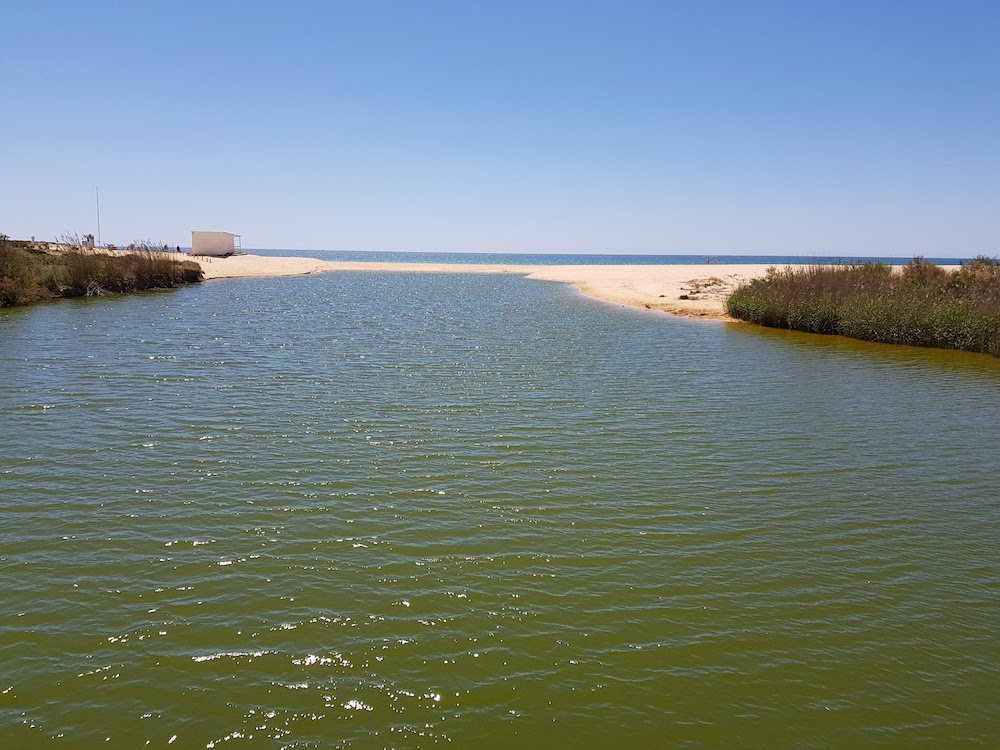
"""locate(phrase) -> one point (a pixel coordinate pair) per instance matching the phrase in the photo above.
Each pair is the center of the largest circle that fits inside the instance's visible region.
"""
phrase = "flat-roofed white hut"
(216, 244)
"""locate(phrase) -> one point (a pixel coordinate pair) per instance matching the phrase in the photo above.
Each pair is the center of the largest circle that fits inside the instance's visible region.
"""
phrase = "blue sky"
(801, 127)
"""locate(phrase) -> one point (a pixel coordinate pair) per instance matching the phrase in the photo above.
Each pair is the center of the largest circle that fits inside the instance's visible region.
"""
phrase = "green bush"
(922, 304)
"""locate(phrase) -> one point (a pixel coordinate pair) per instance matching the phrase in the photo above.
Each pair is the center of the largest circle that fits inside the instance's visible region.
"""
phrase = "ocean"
(576, 259)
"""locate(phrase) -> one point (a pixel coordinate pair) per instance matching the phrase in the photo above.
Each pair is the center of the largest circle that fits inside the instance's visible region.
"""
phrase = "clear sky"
(798, 127)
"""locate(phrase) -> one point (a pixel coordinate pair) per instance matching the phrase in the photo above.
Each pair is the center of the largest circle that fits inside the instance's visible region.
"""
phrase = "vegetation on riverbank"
(30, 272)
(921, 304)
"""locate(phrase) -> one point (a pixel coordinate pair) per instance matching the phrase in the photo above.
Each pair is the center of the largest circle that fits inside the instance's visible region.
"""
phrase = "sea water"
(376, 510)
(597, 259)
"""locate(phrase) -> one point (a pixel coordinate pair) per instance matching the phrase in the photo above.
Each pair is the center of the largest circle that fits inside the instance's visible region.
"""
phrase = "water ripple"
(357, 510)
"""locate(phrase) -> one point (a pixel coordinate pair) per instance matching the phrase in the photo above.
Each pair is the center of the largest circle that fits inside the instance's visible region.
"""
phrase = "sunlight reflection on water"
(356, 510)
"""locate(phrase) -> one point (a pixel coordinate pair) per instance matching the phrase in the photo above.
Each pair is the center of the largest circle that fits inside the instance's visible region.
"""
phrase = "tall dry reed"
(28, 275)
(921, 304)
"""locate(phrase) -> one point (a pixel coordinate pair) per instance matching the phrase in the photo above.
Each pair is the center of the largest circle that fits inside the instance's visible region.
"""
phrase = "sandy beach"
(693, 290)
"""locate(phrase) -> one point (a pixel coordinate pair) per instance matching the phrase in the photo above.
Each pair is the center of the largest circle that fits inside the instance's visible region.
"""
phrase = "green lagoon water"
(376, 510)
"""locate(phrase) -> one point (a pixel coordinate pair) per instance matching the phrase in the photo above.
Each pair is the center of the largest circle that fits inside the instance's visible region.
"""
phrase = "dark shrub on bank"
(28, 274)
(921, 304)
(88, 273)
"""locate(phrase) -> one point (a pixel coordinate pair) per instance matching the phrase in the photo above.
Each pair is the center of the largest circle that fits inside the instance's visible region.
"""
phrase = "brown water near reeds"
(369, 510)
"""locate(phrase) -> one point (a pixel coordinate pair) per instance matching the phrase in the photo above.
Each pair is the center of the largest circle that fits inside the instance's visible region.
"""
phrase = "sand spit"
(693, 290)
(240, 266)
(697, 290)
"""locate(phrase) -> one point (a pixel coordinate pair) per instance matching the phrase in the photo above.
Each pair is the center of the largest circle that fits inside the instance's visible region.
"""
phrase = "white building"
(218, 244)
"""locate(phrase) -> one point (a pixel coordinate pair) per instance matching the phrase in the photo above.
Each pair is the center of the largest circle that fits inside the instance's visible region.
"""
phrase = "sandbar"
(694, 290)
(653, 287)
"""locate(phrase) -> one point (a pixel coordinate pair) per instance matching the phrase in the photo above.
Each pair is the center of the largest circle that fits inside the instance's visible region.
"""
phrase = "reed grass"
(29, 275)
(921, 304)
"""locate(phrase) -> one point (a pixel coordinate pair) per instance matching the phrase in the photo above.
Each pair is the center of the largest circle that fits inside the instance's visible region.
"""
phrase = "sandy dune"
(656, 287)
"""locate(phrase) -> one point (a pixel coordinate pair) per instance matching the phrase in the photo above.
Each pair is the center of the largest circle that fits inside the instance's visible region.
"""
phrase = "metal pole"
(97, 191)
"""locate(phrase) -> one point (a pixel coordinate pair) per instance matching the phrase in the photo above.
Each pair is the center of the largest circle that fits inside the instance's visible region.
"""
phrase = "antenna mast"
(97, 192)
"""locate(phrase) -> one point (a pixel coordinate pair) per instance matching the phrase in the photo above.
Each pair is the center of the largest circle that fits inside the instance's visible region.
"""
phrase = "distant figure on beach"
(178, 248)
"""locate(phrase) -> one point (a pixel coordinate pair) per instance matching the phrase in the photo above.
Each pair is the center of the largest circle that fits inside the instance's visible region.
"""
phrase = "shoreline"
(690, 290)
(650, 287)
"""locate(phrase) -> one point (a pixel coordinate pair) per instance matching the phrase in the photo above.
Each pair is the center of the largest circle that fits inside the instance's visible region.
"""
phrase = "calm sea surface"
(370, 510)
(576, 259)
